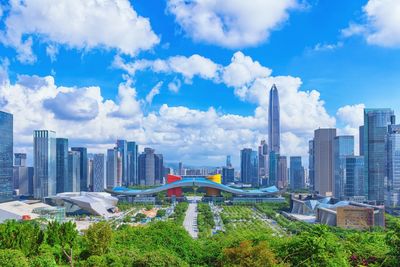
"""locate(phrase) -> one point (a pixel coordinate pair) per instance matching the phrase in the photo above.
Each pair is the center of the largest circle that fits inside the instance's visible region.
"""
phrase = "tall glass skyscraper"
(263, 162)
(62, 163)
(376, 122)
(311, 170)
(354, 183)
(98, 173)
(151, 167)
(132, 168)
(392, 192)
(249, 167)
(84, 177)
(112, 163)
(6, 156)
(282, 181)
(73, 183)
(122, 147)
(45, 163)
(296, 174)
(274, 132)
(343, 146)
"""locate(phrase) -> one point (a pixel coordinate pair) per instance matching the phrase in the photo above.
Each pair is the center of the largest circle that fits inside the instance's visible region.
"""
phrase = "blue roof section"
(195, 181)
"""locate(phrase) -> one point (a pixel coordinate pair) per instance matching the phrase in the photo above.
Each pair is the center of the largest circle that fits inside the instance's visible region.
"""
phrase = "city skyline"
(156, 89)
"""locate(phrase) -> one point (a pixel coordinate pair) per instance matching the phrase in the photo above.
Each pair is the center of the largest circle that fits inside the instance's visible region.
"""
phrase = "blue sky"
(346, 51)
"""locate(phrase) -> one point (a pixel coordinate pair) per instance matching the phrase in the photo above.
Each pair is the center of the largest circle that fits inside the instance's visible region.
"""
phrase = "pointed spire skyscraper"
(274, 131)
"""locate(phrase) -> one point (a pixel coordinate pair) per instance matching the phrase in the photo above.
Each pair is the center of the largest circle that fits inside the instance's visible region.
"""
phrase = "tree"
(12, 257)
(139, 217)
(98, 238)
(161, 213)
(64, 236)
(393, 241)
(248, 255)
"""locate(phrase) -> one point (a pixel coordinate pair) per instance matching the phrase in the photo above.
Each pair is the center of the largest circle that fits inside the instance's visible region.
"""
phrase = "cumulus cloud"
(230, 23)
(110, 24)
(188, 67)
(382, 23)
(175, 85)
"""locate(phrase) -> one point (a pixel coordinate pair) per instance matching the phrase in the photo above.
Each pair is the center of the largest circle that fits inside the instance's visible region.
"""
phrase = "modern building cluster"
(57, 168)
(373, 175)
(266, 166)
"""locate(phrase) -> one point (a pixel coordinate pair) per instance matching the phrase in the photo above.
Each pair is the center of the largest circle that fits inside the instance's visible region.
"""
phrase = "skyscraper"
(273, 169)
(296, 174)
(361, 141)
(228, 161)
(73, 183)
(98, 173)
(45, 163)
(6, 156)
(311, 170)
(132, 168)
(122, 147)
(324, 160)
(249, 167)
(274, 121)
(228, 172)
(376, 122)
(112, 162)
(151, 167)
(62, 163)
(282, 181)
(354, 185)
(84, 183)
(263, 162)
(343, 147)
(392, 190)
(20, 159)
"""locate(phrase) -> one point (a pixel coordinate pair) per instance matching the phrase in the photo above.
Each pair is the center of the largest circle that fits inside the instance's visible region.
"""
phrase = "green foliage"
(46, 260)
(393, 241)
(98, 238)
(161, 213)
(159, 258)
(139, 217)
(12, 257)
(205, 219)
(127, 219)
(179, 212)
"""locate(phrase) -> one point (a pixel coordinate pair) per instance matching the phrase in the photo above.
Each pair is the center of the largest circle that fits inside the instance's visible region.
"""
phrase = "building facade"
(6, 156)
(132, 168)
(324, 160)
(151, 167)
(392, 190)
(84, 182)
(62, 163)
(343, 147)
(111, 171)
(45, 163)
(274, 130)
(354, 186)
(297, 180)
(311, 170)
(98, 172)
(73, 183)
(376, 122)
(249, 167)
(263, 162)
(283, 180)
(122, 146)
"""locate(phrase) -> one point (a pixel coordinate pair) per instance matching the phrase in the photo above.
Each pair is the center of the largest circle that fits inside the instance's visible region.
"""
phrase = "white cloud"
(188, 67)
(382, 26)
(153, 92)
(351, 115)
(175, 85)
(108, 24)
(327, 47)
(230, 23)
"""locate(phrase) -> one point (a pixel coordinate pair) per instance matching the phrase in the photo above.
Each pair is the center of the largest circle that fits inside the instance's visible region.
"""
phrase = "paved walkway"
(190, 222)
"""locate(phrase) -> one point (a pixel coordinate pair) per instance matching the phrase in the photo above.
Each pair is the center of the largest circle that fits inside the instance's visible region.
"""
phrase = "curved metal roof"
(194, 181)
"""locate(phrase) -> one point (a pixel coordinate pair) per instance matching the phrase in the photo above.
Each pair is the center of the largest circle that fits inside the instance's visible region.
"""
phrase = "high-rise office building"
(249, 167)
(361, 141)
(263, 162)
(45, 163)
(324, 162)
(122, 147)
(119, 168)
(20, 159)
(273, 169)
(6, 156)
(62, 163)
(112, 163)
(90, 171)
(180, 169)
(392, 190)
(151, 167)
(84, 183)
(296, 174)
(376, 122)
(132, 163)
(22, 175)
(354, 182)
(98, 172)
(343, 147)
(311, 171)
(228, 175)
(73, 183)
(274, 131)
(282, 181)
(228, 161)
